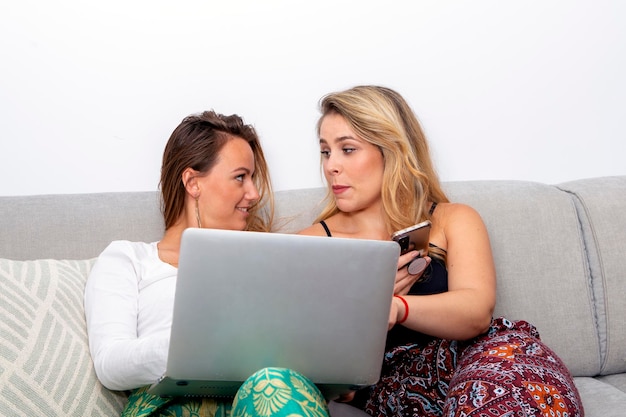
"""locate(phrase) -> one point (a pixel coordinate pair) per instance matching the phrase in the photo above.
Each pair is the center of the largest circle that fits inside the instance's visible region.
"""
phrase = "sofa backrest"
(75, 226)
(80, 226)
(601, 204)
(559, 250)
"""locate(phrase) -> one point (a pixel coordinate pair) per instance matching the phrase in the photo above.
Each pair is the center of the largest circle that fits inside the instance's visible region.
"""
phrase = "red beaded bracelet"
(406, 310)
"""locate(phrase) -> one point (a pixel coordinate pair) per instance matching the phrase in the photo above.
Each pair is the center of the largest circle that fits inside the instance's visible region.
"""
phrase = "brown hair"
(196, 143)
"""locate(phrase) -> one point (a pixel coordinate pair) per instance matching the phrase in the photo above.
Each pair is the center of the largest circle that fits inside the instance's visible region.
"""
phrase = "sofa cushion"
(601, 203)
(541, 265)
(45, 366)
(600, 398)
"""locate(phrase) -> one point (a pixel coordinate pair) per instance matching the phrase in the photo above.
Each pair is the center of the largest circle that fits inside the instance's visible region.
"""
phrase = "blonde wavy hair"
(382, 117)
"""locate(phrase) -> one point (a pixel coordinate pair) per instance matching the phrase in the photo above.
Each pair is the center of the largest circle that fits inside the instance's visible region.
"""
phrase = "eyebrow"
(339, 139)
(246, 170)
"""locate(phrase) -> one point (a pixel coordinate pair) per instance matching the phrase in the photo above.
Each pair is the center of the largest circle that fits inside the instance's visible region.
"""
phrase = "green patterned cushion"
(45, 366)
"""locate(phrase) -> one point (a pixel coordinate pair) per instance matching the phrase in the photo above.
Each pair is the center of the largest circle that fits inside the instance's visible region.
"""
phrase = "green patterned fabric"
(141, 404)
(275, 392)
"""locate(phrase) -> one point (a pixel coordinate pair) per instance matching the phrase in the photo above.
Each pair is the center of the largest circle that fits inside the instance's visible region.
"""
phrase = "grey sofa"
(560, 253)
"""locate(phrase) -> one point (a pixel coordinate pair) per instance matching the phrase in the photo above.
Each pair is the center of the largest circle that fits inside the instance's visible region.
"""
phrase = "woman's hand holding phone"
(404, 278)
(413, 260)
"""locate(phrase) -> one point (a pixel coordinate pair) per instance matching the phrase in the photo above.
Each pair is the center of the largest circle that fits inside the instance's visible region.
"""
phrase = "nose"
(331, 165)
(252, 193)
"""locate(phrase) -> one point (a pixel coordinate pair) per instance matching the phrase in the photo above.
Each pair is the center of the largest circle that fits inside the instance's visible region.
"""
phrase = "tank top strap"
(323, 223)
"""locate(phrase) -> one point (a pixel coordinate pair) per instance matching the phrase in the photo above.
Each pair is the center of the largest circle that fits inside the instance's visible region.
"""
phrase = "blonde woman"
(444, 349)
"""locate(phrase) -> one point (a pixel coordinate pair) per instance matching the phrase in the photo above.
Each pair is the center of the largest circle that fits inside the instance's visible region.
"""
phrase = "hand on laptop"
(346, 398)
(404, 278)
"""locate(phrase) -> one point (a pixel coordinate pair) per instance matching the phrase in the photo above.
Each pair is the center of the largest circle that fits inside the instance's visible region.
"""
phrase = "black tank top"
(434, 281)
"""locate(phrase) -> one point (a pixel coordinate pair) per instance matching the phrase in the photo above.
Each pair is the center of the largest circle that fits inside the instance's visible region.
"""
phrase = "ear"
(190, 182)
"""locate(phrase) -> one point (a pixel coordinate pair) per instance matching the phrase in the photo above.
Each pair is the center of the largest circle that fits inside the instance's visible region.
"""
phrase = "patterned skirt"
(268, 392)
(507, 371)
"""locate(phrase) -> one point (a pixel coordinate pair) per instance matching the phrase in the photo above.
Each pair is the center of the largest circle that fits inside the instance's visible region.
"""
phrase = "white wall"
(90, 91)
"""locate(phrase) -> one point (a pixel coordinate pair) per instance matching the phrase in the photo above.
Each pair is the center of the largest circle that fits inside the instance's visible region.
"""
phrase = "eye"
(240, 177)
(348, 150)
(325, 153)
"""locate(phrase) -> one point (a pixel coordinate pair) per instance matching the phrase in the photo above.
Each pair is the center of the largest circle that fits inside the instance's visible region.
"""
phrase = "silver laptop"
(249, 300)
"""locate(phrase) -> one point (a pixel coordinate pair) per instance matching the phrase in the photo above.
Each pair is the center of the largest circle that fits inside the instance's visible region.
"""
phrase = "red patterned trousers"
(507, 371)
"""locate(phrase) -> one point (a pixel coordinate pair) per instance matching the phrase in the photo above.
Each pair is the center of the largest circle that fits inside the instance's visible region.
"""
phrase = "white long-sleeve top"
(129, 301)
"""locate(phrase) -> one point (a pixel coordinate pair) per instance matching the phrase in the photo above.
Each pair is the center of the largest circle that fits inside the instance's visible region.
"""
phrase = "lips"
(338, 189)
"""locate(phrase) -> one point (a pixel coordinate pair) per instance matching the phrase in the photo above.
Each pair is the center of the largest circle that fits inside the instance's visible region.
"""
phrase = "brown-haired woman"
(213, 175)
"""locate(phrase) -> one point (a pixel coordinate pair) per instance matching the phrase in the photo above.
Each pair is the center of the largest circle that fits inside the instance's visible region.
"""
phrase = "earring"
(198, 214)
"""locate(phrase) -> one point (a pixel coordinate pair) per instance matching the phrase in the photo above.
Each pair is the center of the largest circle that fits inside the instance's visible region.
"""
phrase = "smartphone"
(414, 237)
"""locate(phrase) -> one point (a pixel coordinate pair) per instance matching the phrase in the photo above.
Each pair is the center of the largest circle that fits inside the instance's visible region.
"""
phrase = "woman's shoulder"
(131, 247)
(454, 219)
(455, 211)
(337, 223)
(122, 261)
(129, 251)
(314, 230)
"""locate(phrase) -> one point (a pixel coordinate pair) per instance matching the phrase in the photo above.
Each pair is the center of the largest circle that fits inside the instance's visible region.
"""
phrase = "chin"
(345, 206)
